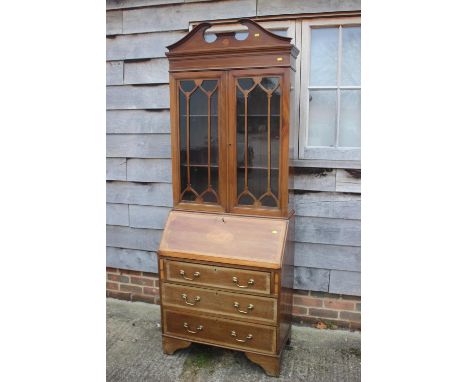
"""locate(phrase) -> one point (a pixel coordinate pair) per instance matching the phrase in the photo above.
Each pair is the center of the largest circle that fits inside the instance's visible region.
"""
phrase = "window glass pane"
(350, 118)
(351, 56)
(323, 56)
(322, 117)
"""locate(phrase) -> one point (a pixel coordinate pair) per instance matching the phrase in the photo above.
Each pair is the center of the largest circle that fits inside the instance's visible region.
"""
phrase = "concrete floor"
(134, 353)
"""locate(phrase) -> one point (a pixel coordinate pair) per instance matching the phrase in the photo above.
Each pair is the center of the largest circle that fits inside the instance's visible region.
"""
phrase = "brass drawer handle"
(236, 281)
(234, 334)
(196, 274)
(199, 328)
(249, 307)
(197, 299)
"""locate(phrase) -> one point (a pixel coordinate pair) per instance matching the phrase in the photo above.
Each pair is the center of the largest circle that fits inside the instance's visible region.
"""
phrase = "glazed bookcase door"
(258, 141)
(198, 142)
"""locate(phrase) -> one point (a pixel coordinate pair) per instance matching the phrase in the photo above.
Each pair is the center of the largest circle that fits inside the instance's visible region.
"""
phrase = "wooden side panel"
(138, 145)
(152, 194)
(133, 238)
(328, 205)
(281, 7)
(328, 231)
(149, 170)
(138, 97)
(137, 122)
(327, 256)
(287, 285)
(348, 181)
(343, 282)
(114, 73)
(147, 45)
(148, 216)
(116, 169)
(155, 71)
(135, 260)
(117, 214)
(176, 17)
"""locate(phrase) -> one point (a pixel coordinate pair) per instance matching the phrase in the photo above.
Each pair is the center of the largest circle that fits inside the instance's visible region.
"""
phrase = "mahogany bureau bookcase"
(226, 257)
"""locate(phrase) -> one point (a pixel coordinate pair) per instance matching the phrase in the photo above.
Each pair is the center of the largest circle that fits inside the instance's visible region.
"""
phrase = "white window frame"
(349, 157)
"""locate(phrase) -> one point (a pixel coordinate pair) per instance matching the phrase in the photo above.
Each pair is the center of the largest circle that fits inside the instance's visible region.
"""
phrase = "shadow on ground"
(134, 353)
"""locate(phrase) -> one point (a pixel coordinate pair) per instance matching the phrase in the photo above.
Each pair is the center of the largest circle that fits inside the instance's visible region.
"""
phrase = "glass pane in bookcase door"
(182, 127)
(245, 83)
(257, 127)
(209, 85)
(187, 85)
(275, 125)
(214, 127)
(198, 124)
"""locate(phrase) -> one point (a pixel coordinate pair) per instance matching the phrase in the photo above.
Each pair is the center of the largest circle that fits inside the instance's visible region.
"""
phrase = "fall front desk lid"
(224, 238)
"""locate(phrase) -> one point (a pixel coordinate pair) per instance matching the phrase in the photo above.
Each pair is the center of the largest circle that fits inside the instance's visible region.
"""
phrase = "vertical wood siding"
(139, 190)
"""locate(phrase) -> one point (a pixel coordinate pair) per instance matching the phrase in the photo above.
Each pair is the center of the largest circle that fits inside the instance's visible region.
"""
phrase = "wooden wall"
(139, 196)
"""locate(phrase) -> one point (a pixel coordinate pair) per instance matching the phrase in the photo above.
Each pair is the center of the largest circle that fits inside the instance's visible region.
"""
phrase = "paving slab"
(134, 353)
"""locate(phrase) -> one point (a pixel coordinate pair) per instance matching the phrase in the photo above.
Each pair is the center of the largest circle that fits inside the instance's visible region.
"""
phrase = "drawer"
(218, 331)
(233, 305)
(219, 277)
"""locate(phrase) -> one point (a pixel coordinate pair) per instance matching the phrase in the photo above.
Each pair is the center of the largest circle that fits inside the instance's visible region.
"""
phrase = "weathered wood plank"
(138, 122)
(343, 282)
(116, 169)
(133, 238)
(311, 279)
(138, 97)
(117, 214)
(282, 7)
(148, 216)
(178, 16)
(113, 22)
(153, 194)
(149, 170)
(135, 260)
(328, 256)
(328, 205)
(348, 181)
(155, 71)
(314, 179)
(119, 4)
(114, 73)
(147, 45)
(139, 145)
(328, 231)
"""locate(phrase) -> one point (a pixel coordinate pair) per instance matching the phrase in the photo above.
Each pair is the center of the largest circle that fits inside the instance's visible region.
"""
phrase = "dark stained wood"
(271, 364)
(233, 334)
(170, 345)
(217, 276)
(216, 302)
(226, 269)
(242, 240)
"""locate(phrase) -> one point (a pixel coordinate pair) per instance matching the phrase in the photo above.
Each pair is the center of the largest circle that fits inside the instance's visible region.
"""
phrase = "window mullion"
(338, 80)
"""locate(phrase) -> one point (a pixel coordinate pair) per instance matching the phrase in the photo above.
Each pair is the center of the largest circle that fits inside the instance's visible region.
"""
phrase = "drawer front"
(232, 305)
(228, 333)
(219, 277)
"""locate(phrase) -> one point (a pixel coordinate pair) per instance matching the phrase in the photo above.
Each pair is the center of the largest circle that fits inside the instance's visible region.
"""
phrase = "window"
(331, 90)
